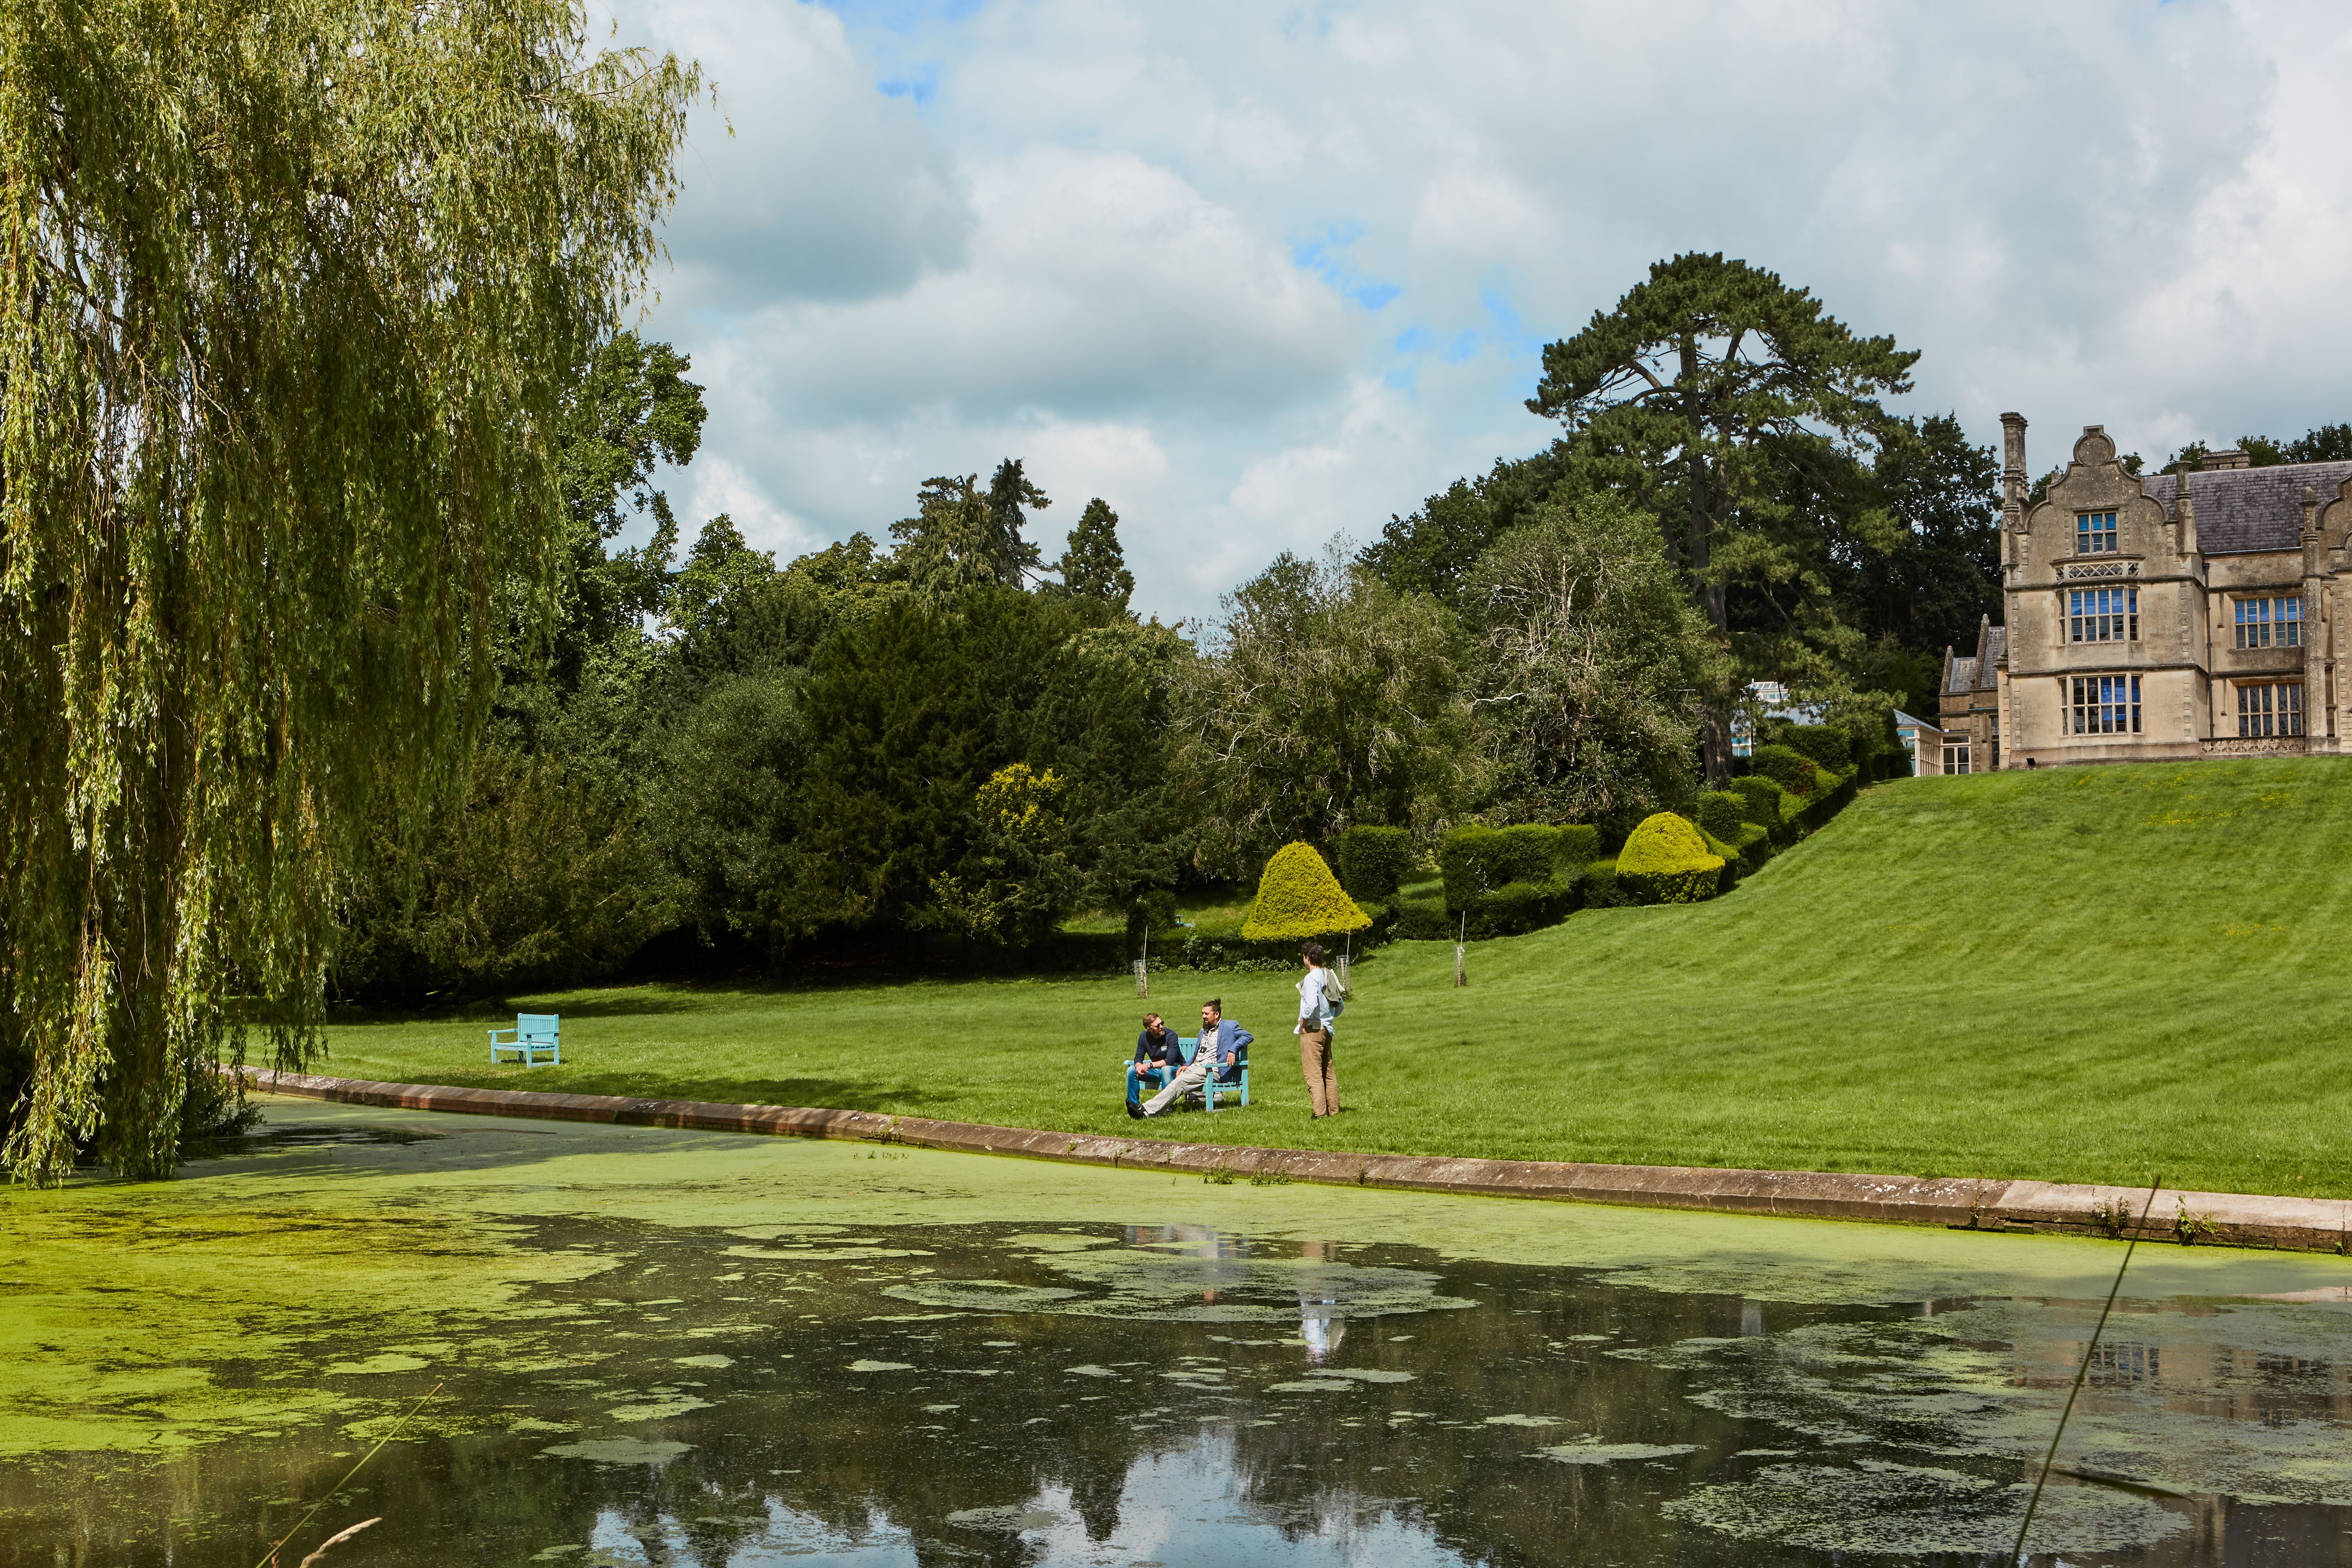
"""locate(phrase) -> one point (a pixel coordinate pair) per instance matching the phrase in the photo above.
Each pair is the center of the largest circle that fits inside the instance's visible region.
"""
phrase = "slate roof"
(1980, 673)
(2239, 510)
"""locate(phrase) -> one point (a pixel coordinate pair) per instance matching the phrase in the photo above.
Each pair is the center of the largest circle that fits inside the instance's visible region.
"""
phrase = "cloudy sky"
(1257, 274)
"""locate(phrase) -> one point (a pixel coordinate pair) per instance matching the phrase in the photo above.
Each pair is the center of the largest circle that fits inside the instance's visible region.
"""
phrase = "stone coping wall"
(2227, 1219)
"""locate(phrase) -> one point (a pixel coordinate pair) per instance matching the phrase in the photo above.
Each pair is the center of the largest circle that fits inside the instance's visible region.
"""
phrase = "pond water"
(663, 1348)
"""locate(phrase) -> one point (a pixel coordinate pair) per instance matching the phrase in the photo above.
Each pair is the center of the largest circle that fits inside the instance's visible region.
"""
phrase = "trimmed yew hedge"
(1828, 747)
(1374, 860)
(1298, 899)
(1666, 861)
(1788, 767)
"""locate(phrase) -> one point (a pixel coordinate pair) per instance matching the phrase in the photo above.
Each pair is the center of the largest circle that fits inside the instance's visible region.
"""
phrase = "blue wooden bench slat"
(1235, 1077)
(534, 1034)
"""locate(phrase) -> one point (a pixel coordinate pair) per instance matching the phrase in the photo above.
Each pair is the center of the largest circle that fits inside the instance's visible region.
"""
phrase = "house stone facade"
(2159, 617)
(1968, 707)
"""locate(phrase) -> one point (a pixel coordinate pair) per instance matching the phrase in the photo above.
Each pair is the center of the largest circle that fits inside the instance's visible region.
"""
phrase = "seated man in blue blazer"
(1220, 1039)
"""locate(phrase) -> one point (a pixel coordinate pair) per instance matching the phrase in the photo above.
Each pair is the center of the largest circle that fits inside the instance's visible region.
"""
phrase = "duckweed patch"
(618, 1451)
(2158, 1408)
(1593, 1451)
(146, 1318)
(1890, 1509)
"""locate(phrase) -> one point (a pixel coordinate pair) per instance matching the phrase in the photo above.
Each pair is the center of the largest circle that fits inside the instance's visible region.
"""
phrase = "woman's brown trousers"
(1322, 1078)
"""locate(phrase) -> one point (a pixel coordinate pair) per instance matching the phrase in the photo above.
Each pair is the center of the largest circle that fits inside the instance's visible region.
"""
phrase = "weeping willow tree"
(289, 298)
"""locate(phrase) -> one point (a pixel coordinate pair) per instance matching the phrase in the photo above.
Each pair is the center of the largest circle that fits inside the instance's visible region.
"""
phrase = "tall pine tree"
(1737, 411)
(1093, 566)
(964, 536)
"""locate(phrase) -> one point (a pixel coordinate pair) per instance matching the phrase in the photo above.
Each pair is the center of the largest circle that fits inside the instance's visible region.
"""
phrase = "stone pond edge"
(2227, 1219)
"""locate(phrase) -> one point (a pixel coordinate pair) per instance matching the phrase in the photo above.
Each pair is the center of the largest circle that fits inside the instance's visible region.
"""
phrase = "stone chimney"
(2012, 461)
(2184, 515)
(2012, 486)
(2227, 458)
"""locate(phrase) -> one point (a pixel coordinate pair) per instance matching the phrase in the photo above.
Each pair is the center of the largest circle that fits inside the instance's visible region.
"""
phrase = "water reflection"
(1173, 1395)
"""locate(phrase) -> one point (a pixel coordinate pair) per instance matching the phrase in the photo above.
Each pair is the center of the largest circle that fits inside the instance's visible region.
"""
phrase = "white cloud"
(1270, 273)
(826, 189)
(716, 484)
(1094, 280)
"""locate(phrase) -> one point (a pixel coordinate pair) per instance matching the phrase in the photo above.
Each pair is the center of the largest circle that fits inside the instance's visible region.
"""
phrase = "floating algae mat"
(673, 1348)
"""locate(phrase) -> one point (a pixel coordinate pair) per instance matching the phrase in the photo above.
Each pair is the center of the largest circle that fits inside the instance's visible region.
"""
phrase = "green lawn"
(2092, 974)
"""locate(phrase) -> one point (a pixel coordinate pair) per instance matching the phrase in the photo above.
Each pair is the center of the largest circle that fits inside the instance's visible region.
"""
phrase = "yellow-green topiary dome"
(1667, 861)
(1298, 897)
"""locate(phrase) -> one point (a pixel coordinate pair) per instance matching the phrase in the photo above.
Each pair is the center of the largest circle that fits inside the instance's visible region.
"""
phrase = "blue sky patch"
(903, 16)
(1326, 257)
(921, 84)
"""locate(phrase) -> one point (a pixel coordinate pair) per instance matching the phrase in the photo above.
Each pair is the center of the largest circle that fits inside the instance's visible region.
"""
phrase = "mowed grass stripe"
(2089, 974)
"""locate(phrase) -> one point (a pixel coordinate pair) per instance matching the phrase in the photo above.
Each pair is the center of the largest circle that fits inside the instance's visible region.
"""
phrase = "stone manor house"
(2156, 616)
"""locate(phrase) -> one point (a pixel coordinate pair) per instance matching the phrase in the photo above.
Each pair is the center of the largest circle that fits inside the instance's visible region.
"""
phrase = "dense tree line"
(944, 734)
(950, 736)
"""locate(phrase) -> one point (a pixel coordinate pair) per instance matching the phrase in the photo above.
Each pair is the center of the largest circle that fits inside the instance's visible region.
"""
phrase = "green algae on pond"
(676, 1348)
(1911, 1511)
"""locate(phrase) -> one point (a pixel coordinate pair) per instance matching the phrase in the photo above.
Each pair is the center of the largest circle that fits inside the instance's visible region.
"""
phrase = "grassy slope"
(2092, 974)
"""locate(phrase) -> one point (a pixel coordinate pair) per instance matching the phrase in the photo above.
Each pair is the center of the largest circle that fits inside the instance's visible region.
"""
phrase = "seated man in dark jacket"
(1156, 1052)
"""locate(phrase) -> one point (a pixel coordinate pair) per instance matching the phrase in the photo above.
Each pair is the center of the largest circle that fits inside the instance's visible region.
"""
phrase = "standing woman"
(1314, 1032)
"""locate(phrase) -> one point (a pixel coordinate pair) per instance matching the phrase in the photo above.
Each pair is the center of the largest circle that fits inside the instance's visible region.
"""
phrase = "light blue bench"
(535, 1034)
(1233, 1078)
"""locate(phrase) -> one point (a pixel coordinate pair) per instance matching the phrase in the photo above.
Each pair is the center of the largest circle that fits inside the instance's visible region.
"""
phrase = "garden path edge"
(2226, 1219)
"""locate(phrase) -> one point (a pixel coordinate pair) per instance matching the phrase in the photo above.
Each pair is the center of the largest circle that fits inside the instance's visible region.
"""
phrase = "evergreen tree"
(964, 536)
(1093, 566)
(1432, 550)
(1942, 574)
(1732, 408)
(1011, 498)
(912, 711)
(908, 714)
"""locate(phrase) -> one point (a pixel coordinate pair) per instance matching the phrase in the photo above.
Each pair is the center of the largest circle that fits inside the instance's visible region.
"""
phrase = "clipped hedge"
(1723, 814)
(1600, 888)
(1753, 844)
(1733, 868)
(1422, 919)
(1374, 860)
(1579, 845)
(1516, 908)
(1666, 860)
(1476, 861)
(1827, 746)
(1789, 768)
(1760, 799)
(1813, 815)
(1298, 898)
